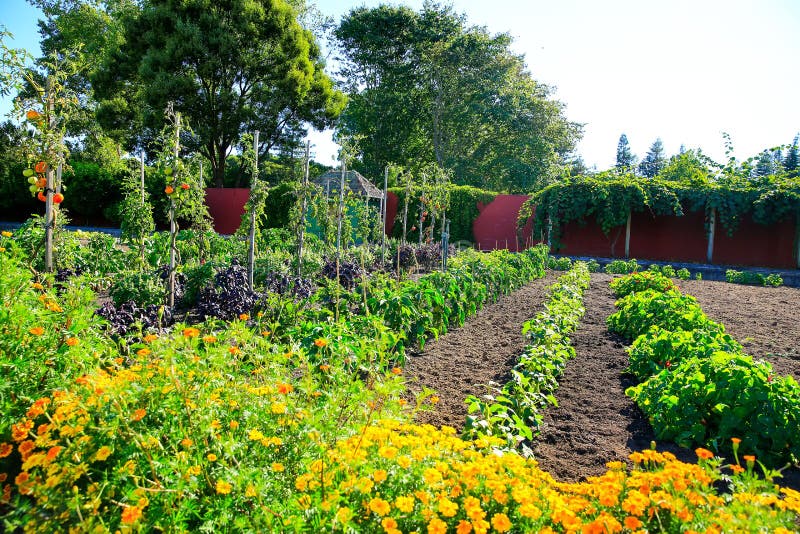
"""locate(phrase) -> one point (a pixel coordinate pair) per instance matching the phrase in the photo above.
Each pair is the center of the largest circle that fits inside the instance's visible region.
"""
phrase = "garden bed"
(595, 422)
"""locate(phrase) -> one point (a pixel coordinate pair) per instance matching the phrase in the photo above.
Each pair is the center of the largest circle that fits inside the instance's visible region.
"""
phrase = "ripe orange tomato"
(41, 167)
(58, 198)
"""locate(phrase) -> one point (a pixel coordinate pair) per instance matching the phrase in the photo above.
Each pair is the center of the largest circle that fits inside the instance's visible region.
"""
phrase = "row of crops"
(697, 386)
(290, 416)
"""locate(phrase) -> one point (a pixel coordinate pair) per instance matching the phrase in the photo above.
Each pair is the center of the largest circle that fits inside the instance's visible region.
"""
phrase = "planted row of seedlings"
(698, 387)
(513, 411)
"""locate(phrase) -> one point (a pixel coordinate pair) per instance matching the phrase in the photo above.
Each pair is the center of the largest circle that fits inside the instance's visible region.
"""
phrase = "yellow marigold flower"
(72, 341)
(380, 506)
(437, 526)
(434, 399)
(211, 457)
(143, 352)
(404, 503)
(501, 522)
(138, 414)
(36, 330)
(243, 316)
(404, 461)
(6, 233)
(320, 342)
(343, 515)
(53, 307)
(432, 476)
(36, 285)
(389, 524)
(250, 491)
(103, 453)
(379, 475)
(193, 470)
(277, 467)
(464, 527)
(278, 408)
(131, 514)
(223, 488)
(447, 507)
(191, 332)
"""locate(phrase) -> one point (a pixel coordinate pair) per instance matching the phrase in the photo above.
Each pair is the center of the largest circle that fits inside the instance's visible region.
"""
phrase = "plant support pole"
(301, 224)
(384, 209)
(251, 248)
(49, 218)
(173, 229)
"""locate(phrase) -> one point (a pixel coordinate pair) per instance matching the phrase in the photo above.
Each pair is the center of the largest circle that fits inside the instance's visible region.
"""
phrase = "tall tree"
(765, 164)
(654, 161)
(229, 66)
(626, 160)
(791, 163)
(426, 88)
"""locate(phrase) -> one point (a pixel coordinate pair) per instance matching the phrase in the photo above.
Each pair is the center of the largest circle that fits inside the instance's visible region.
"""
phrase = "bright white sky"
(682, 70)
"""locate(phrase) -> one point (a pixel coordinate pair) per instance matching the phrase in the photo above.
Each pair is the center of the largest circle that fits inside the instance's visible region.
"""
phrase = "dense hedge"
(607, 198)
(463, 211)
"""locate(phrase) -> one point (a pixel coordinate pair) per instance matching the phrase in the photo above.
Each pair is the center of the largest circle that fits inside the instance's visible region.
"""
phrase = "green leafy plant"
(143, 288)
(670, 310)
(622, 267)
(684, 274)
(649, 279)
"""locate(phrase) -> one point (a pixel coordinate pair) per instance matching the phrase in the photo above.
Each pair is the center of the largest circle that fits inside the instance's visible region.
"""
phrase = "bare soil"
(595, 422)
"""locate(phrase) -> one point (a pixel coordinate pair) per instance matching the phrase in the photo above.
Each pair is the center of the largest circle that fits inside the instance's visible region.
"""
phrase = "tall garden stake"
(173, 229)
(301, 224)
(251, 245)
(383, 212)
(50, 219)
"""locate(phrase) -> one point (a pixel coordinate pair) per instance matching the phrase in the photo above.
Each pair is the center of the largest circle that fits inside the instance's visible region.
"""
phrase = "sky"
(681, 70)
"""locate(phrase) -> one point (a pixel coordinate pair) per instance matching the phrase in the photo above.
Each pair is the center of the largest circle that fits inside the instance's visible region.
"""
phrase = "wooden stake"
(173, 227)
(301, 225)
(49, 216)
(251, 248)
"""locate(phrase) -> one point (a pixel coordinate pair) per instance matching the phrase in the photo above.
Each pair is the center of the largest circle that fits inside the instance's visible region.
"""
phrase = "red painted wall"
(757, 245)
(226, 207)
(392, 202)
(496, 225)
(668, 238)
(589, 240)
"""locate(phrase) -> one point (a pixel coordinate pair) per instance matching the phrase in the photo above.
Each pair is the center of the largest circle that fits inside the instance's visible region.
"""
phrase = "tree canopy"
(424, 87)
(229, 66)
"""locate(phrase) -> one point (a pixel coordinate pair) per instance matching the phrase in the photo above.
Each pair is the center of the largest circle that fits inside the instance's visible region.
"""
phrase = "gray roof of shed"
(353, 180)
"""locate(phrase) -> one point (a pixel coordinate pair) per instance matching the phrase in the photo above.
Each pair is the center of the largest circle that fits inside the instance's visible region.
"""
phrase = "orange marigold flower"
(211, 457)
(149, 338)
(53, 452)
(72, 341)
(632, 523)
(737, 469)
(186, 442)
(243, 316)
(285, 388)
(169, 190)
(265, 333)
(749, 458)
(191, 332)
(736, 441)
(5, 449)
(501, 522)
(19, 431)
(464, 527)
(131, 514)
(143, 352)
(139, 414)
(223, 488)
(103, 453)
(397, 371)
(209, 339)
(36, 330)
(22, 478)
(320, 342)
(234, 350)
(25, 448)
(324, 367)
(704, 454)
(233, 425)
(37, 285)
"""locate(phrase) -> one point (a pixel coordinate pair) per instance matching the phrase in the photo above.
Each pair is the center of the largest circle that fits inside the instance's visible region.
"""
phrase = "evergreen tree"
(626, 160)
(792, 160)
(654, 161)
(765, 165)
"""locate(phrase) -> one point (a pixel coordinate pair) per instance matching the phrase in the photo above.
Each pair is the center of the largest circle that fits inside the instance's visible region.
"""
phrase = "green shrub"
(622, 267)
(684, 274)
(773, 280)
(641, 281)
(559, 264)
(593, 266)
(670, 310)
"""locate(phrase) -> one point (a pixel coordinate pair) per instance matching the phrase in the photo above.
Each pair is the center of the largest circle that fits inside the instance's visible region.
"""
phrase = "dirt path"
(483, 350)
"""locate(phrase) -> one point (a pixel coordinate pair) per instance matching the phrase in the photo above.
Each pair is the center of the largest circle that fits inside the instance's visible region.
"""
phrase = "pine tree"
(791, 162)
(654, 161)
(765, 164)
(626, 161)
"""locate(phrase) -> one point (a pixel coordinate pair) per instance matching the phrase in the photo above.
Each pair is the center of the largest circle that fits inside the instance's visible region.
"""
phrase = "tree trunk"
(218, 164)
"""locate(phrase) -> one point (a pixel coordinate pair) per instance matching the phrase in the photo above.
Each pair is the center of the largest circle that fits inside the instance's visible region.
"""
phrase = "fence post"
(712, 223)
(628, 236)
